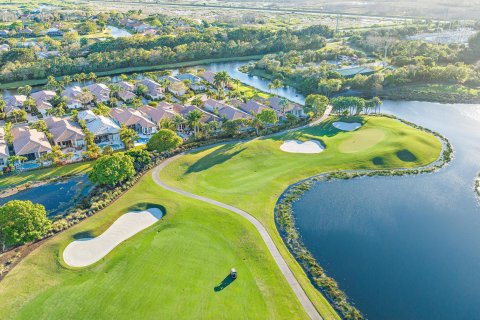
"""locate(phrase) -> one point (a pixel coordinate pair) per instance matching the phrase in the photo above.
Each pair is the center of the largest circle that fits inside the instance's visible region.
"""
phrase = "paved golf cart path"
(292, 281)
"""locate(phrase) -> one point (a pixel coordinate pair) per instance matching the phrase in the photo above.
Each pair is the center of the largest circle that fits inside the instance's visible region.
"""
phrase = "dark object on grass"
(233, 274)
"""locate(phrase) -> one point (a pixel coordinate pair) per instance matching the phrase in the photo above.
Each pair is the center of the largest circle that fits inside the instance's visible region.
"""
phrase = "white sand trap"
(347, 126)
(84, 252)
(297, 146)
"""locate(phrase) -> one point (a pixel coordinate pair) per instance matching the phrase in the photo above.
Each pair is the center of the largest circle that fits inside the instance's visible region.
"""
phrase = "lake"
(118, 33)
(57, 197)
(405, 247)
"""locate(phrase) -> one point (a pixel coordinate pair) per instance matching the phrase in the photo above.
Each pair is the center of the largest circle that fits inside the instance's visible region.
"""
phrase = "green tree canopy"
(112, 169)
(315, 103)
(164, 140)
(21, 222)
(267, 116)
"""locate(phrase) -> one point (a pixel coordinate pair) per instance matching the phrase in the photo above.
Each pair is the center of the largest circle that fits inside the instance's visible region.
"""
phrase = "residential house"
(170, 79)
(253, 107)
(42, 100)
(4, 154)
(155, 90)
(30, 143)
(48, 54)
(127, 86)
(16, 100)
(133, 119)
(283, 106)
(4, 33)
(25, 31)
(72, 95)
(184, 110)
(4, 47)
(100, 91)
(195, 81)
(208, 76)
(126, 96)
(103, 128)
(65, 132)
(232, 113)
(213, 105)
(178, 89)
(157, 114)
(54, 32)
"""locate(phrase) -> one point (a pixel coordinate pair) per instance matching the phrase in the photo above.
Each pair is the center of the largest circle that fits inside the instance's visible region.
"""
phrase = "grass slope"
(172, 270)
(42, 174)
(252, 175)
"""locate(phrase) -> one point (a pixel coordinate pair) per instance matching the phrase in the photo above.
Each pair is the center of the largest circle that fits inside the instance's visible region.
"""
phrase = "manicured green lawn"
(42, 174)
(252, 175)
(168, 271)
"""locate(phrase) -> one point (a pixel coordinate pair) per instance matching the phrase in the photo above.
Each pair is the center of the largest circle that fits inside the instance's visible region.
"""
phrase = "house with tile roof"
(100, 90)
(156, 114)
(16, 100)
(66, 133)
(155, 90)
(72, 95)
(253, 107)
(30, 143)
(104, 129)
(133, 119)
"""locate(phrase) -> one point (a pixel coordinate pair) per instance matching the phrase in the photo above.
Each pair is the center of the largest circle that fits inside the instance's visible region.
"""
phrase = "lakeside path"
(290, 277)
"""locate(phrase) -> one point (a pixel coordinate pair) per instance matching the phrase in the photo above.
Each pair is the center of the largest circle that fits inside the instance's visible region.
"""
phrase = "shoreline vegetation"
(441, 93)
(119, 71)
(285, 219)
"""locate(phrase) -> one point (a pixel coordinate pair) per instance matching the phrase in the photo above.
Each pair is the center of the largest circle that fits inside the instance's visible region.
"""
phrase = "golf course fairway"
(178, 267)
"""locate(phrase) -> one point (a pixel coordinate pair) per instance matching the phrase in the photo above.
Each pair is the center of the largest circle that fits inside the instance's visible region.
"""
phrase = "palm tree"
(92, 76)
(193, 120)
(128, 136)
(66, 80)
(178, 121)
(283, 106)
(77, 77)
(221, 79)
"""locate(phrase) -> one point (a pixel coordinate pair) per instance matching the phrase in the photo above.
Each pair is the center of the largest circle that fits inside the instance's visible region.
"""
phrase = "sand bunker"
(297, 146)
(347, 126)
(84, 252)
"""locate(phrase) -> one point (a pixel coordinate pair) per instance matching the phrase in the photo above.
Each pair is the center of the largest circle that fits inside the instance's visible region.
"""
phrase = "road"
(289, 276)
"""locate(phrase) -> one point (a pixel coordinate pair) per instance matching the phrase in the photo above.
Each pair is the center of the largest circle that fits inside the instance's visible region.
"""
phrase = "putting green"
(361, 140)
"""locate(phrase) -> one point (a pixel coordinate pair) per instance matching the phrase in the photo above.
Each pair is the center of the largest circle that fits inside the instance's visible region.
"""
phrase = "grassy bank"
(175, 269)
(39, 82)
(252, 175)
(44, 174)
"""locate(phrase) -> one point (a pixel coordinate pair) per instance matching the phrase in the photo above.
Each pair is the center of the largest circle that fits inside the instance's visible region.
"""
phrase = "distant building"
(4, 47)
(54, 32)
(353, 71)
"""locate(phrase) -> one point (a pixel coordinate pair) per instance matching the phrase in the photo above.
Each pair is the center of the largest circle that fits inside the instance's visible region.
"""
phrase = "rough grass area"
(252, 175)
(43, 174)
(176, 269)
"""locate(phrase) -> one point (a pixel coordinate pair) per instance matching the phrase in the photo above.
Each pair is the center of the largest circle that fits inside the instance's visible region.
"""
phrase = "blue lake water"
(405, 247)
(57, 197)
